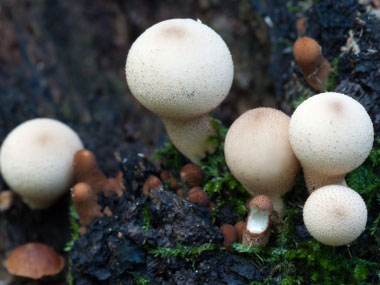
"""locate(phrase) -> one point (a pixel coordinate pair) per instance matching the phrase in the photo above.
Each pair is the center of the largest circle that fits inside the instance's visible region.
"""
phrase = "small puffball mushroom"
(181, 69)
(37, 160)
(34, 260)
(315, 68)
(259, 155)
(335, 215)
(86, 204)
(192, 175)
(257, 230)
(331, 134)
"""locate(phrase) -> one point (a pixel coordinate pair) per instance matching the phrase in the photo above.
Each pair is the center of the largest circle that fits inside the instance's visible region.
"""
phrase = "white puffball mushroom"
(331, 134)
(181, 69)
(259, 155)
(36, 160)
(335, 215)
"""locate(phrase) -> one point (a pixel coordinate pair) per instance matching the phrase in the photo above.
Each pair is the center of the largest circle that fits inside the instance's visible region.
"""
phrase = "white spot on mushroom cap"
(335, 215)
(36, 160)
(258, 152)
(331, 133)
(179, 68)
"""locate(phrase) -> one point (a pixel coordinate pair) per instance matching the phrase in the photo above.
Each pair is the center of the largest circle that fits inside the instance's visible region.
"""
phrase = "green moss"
(292, 259)
(74, 227)
(296, 102)
(147, 224)
(170, 157)
(181, 251)
(334, 77)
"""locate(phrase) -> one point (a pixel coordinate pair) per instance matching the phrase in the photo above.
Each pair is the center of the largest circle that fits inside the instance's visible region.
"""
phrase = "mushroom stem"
(315, 180)
(278, 204)
(189, 136)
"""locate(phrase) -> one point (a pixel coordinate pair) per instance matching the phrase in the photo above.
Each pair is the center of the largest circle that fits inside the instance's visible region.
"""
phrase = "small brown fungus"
(192, 175)
(257, 230)
(34, 260)
(239, 226)
(315, 68)
(230, 234)
(86, 204)
(152, 183)
(197, 195)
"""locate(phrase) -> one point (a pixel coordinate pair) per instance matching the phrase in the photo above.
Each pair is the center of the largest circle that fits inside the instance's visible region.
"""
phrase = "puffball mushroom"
(259, 155)
(257, 228)
(37, 160)
(181, 69)
(335, 215)
(331, 134)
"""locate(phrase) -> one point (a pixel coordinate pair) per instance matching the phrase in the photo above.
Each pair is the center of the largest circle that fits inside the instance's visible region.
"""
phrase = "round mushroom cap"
(308, 54)
(37, 160)
(331, 133)
(335, 215)
(34, 260)
(258, 152)
(179, 68)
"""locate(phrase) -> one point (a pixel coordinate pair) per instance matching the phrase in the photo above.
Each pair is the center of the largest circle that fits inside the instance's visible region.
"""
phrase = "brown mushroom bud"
(229, 233)
(152, 183)
(6, 199)
(301, 26)
(192, 175)
(166, 176)
(197, 195)
(180, 192)
(257, 230)
(211, 206)
(240, 226)
(87, 170)
(34, 260)
(315, 68)
(86, 203)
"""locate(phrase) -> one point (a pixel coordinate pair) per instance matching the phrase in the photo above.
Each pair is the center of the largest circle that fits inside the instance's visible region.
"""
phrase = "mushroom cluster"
(332, 134)
(181, 69)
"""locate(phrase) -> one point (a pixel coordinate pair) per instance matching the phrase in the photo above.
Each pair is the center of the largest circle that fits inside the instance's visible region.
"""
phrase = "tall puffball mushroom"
(331, 134)
(335, 215)
(36, 160)
(259, 155)
(181, 69)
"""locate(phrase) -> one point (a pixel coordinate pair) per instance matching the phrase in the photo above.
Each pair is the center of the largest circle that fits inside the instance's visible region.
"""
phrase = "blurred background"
(66, 59)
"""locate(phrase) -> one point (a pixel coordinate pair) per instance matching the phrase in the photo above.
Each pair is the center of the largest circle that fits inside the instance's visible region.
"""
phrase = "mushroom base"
(189, 136)
(315, 180)
(256, 240)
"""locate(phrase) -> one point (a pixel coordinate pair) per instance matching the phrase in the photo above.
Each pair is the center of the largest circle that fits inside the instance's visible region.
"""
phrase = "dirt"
(116, 249)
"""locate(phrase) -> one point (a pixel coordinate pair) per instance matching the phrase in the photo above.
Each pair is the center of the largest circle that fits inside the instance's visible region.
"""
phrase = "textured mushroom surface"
(335, 215)
(37, 160)
(258, 152)
(34, 260)
(179, 68)
(331, 134)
